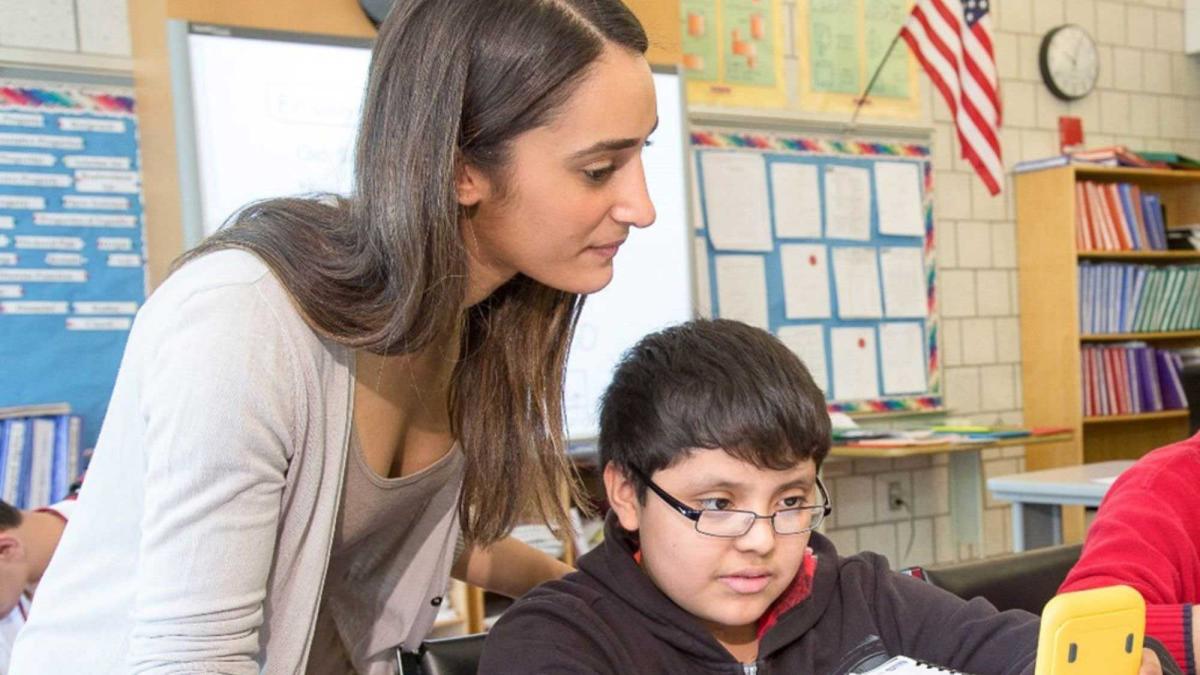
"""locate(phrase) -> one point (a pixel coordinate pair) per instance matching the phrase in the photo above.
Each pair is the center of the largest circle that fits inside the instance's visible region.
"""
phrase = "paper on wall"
(902, 351)
(796, 196)
(855, 373)
(856, 275)
(808, 343)
(903, 272)
(898, 196)
(735, 200)
(742, 289)
(805, 280)
(847, 203)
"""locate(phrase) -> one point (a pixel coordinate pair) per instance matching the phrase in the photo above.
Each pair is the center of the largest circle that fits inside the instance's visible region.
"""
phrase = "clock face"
(1069, 62)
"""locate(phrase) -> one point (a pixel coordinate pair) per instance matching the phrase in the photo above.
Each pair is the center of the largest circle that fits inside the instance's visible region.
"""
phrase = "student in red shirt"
(1147, 535)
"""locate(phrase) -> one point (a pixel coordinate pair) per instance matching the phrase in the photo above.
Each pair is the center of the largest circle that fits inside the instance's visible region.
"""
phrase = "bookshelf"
(1051, 339)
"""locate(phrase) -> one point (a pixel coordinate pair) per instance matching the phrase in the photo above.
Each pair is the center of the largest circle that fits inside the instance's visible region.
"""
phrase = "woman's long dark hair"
(452, 82)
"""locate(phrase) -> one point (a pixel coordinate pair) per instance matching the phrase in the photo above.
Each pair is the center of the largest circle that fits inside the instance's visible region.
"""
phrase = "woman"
(322, 392)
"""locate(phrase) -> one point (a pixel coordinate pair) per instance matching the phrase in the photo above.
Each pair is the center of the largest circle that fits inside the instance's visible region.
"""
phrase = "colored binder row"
(39, 459)
(1122, 298)
(1130, 378)
(1118, 217)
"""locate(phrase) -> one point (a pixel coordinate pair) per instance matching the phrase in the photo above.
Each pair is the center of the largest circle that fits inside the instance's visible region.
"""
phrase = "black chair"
(1190, 376)
(1018, 581)
(444, 656)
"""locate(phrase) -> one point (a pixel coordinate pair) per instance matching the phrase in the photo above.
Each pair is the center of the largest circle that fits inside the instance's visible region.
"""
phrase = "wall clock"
(1069, 61)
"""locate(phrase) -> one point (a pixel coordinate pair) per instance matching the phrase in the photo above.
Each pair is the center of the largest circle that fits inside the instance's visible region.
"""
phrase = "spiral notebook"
(903, 665)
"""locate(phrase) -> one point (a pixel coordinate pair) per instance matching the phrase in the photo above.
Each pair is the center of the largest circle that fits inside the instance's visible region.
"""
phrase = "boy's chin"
(734, 612)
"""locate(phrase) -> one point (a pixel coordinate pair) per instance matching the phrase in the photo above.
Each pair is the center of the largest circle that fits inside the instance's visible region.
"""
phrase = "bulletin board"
(829, 245)
(72, 271)
(807, 56)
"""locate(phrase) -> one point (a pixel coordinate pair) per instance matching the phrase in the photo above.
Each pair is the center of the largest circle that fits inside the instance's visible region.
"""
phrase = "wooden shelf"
(1127, 337)
(1146, 256)
(1140, 417)
(1133, 174)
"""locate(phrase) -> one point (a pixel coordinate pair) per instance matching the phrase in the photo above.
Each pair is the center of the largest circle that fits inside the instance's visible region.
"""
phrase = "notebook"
(903, 665)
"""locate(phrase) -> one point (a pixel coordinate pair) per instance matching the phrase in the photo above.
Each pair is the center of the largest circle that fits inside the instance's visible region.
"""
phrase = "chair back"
(1024, 580)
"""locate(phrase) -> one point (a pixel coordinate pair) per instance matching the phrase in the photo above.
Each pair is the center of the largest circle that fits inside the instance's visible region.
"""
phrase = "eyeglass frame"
(695, 514)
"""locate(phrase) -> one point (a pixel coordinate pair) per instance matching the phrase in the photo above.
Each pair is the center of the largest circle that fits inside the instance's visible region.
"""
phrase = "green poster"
(884, 20)
(748, 43)
(700, 50)
(833, 46)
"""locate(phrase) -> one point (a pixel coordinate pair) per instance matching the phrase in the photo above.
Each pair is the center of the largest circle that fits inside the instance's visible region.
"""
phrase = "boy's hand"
(1150, 663)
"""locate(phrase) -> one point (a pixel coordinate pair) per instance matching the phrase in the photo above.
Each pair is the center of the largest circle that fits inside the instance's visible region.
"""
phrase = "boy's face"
(728, 583)
(14, 572)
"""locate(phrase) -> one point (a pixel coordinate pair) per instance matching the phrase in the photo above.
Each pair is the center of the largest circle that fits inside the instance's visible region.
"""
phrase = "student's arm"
(928, 623)
(219, 402)
(509, 567)
(1142, 537)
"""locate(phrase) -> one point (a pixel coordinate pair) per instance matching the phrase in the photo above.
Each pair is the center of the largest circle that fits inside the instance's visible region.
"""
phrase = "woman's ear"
(470, 184)
(622, 497)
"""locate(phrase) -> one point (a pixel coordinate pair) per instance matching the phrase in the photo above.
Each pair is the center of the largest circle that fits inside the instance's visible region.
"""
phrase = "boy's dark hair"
(10, 516)
(711, 384)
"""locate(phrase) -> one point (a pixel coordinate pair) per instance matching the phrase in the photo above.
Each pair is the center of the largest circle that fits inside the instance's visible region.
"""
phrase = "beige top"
(381, 527)
(213, 497)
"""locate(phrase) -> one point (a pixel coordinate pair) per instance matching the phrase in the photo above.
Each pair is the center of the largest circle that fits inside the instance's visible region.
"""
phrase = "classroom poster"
(733, 52)
(72, 265)
(841, 43)
(833, 47)
(701, 47)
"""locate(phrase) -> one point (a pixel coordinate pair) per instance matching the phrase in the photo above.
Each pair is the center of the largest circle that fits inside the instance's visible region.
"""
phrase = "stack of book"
(1184, 238)
(1118, 217)
(1122, 298)
(39, 454)
(1130, 378)
(1116, 155)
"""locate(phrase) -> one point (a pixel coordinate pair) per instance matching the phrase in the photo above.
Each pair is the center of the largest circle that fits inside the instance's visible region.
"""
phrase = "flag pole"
(871, 84)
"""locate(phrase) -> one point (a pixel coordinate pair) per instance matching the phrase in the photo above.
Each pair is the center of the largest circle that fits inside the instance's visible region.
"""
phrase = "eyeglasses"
(732, 523)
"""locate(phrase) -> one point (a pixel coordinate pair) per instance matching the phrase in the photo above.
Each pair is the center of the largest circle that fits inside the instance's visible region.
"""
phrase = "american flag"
(953, 41)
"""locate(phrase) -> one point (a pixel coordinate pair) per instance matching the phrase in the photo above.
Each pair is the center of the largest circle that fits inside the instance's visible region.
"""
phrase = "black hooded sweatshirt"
(609, 617)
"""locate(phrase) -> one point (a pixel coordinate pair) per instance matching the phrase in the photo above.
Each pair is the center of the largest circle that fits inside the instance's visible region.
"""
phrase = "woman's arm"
(219, 401)
(509, 567)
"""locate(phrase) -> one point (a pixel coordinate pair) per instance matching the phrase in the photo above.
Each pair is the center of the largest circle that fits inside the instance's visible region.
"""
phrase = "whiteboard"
(262, 114)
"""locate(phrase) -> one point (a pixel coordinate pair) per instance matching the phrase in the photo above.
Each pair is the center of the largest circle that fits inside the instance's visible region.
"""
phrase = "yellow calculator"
(1095, 632)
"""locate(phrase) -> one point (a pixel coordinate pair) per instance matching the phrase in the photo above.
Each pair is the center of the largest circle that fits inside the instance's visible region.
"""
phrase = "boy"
(27, 542)
(711, 436)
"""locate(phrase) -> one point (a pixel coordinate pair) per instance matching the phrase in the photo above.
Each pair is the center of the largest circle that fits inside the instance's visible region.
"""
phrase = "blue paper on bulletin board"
(829, 245)
(72, 264)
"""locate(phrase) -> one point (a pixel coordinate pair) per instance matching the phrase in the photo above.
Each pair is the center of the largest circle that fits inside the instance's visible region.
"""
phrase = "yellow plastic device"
(1095, 632)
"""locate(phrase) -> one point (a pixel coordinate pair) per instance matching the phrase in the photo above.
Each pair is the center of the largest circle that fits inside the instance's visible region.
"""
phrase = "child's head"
(14, 561)
(715, 415)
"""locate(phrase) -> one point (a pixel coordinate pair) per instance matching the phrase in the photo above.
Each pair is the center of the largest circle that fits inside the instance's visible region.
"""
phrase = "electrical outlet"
(896, 500)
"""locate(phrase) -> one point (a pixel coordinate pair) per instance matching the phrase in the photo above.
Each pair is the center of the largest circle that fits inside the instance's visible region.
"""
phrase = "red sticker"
(862, 344)
(812, 260)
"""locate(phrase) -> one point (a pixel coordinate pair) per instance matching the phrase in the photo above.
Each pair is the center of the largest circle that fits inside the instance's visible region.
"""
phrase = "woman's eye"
(599, 175)
(649, 142)
(715, 504)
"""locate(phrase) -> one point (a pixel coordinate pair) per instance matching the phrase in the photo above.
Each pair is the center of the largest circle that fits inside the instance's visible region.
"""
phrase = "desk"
(1038, 497)
(965, 475)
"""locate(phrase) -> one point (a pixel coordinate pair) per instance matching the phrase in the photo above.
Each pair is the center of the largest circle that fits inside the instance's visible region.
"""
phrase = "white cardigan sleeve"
(220, 403)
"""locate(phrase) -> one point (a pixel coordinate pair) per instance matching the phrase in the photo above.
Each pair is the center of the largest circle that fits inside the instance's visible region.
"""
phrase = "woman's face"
(574, 187)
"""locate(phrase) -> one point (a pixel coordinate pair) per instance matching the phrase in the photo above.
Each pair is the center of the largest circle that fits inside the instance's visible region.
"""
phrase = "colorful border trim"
(779, 143)
(64, 99)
